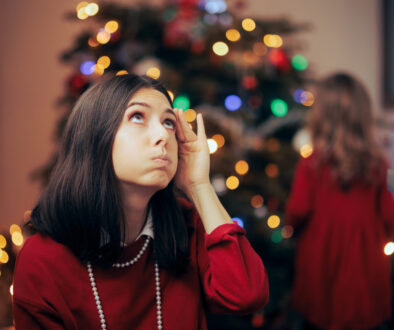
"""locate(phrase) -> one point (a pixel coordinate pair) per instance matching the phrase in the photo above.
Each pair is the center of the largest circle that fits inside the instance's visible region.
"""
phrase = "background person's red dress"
(342, 276)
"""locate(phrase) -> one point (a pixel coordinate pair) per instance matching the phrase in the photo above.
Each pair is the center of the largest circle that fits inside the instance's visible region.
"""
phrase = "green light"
(182, 102)
(276, 236)
(299, 62)
(279, 107)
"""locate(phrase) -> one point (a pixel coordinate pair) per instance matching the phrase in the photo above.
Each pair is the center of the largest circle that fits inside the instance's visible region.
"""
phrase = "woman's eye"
(168, 123)
(137, 118)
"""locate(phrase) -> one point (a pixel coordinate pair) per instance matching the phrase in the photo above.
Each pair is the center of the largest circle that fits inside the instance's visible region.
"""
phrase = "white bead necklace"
(122, 265)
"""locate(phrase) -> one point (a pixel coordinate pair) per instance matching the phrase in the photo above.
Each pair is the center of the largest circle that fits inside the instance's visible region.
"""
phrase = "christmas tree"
(245, 75)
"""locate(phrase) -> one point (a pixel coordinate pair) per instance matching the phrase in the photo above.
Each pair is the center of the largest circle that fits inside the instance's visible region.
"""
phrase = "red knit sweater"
(342, 276)
(52, 288)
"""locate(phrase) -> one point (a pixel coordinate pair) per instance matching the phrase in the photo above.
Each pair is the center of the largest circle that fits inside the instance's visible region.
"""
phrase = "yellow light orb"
(104, 61)
(272, 170)
(273, 221)
(3, 242)
(92, 9)
(153, 72)
(273, 40)
(212, 145)
(219, 140)
(3, 257)
(241, 167)
(257, 201)
(111, 26)
(103, 37)
(233, 35)
(232, 182)
(99, 69)
(82, 4)
(171, 95)
(220, 48)
(15, 228)
(92, 42)
(17, 238)
(81, 14)
(12, 289)
(248, 24)
(287, 231)
(306, 150)
(259, 49)
(121, 72)
(389, 248)
(190, 115)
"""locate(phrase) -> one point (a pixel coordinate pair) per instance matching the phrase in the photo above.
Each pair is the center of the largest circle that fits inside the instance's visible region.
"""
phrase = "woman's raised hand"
(193, 153)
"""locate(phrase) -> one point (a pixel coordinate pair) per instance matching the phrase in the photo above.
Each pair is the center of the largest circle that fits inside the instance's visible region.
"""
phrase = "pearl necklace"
(122, 265)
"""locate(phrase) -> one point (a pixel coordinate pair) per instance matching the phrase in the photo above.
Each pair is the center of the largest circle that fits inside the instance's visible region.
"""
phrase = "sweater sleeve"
(233, 276)
(300, 202)
(36, 300)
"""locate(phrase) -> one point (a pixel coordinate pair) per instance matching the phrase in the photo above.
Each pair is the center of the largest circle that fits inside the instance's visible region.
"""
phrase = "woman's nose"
(159, 134)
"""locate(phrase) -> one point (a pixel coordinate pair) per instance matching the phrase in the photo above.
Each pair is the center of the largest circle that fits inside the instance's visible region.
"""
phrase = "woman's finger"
(201, 135)
(187, 132)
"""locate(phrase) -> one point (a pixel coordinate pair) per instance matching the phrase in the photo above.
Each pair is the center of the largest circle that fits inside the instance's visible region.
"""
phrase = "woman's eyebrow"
(146, 105)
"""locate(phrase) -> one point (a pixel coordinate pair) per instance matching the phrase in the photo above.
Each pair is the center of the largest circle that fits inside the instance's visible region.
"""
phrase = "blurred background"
(248, 65)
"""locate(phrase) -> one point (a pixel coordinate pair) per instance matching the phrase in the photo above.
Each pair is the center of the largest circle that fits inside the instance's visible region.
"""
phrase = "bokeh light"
(219, 140)
(273, 221)
(276, 236)
(111, 26)
(232, 182)
(104, 61)
(171, 95)
(153, 72)
(241, 167)
(299, 62)
(87, 67)
(239, 221)
(103, 36)
(307, 98)
(233, 35)
(248, 24)
(273, 40)
(182, 102)
(389, 248)
(12, 289)
(92, 42)
(3, 256)
(232, 102)
(3, 242)
(92, 9)
(220, 48)
(272, 170)
(121, 72)
(279, 107)
(306, 150)
(15, 228)
(297, 95)
(190, 115)
(212, 145)
(287, 231)
(17, 238)
(257, 201)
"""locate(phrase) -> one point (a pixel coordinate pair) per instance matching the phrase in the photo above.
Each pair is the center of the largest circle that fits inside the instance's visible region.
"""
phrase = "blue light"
(232, 102)
(88, 67)
(215, 6)
(297, 95)
(239, 221)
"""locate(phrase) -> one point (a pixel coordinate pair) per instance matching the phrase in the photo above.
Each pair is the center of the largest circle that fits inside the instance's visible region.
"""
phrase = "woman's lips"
(162, 160)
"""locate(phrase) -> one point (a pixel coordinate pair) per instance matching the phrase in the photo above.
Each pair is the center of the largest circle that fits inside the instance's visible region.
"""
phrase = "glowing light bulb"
(103, 36)
(389, 248)
(104, 61)
(232, 102)
(15, 228)
(3, 257)
(92, 9)
(17, 238)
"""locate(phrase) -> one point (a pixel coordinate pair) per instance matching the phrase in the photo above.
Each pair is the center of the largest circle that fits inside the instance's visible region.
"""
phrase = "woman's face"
(145, 149)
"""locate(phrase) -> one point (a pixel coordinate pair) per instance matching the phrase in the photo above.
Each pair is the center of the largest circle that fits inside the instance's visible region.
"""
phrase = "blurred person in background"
(344, 214)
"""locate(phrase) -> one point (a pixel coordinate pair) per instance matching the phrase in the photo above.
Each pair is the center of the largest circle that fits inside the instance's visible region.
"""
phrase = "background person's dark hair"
(81, 207)
(342, 129)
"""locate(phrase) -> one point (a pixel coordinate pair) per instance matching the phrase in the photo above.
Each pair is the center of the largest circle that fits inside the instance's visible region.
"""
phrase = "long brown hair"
(341, 125)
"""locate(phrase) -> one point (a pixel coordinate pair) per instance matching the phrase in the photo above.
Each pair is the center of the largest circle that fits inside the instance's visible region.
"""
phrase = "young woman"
(114, 248)
(345, 214)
